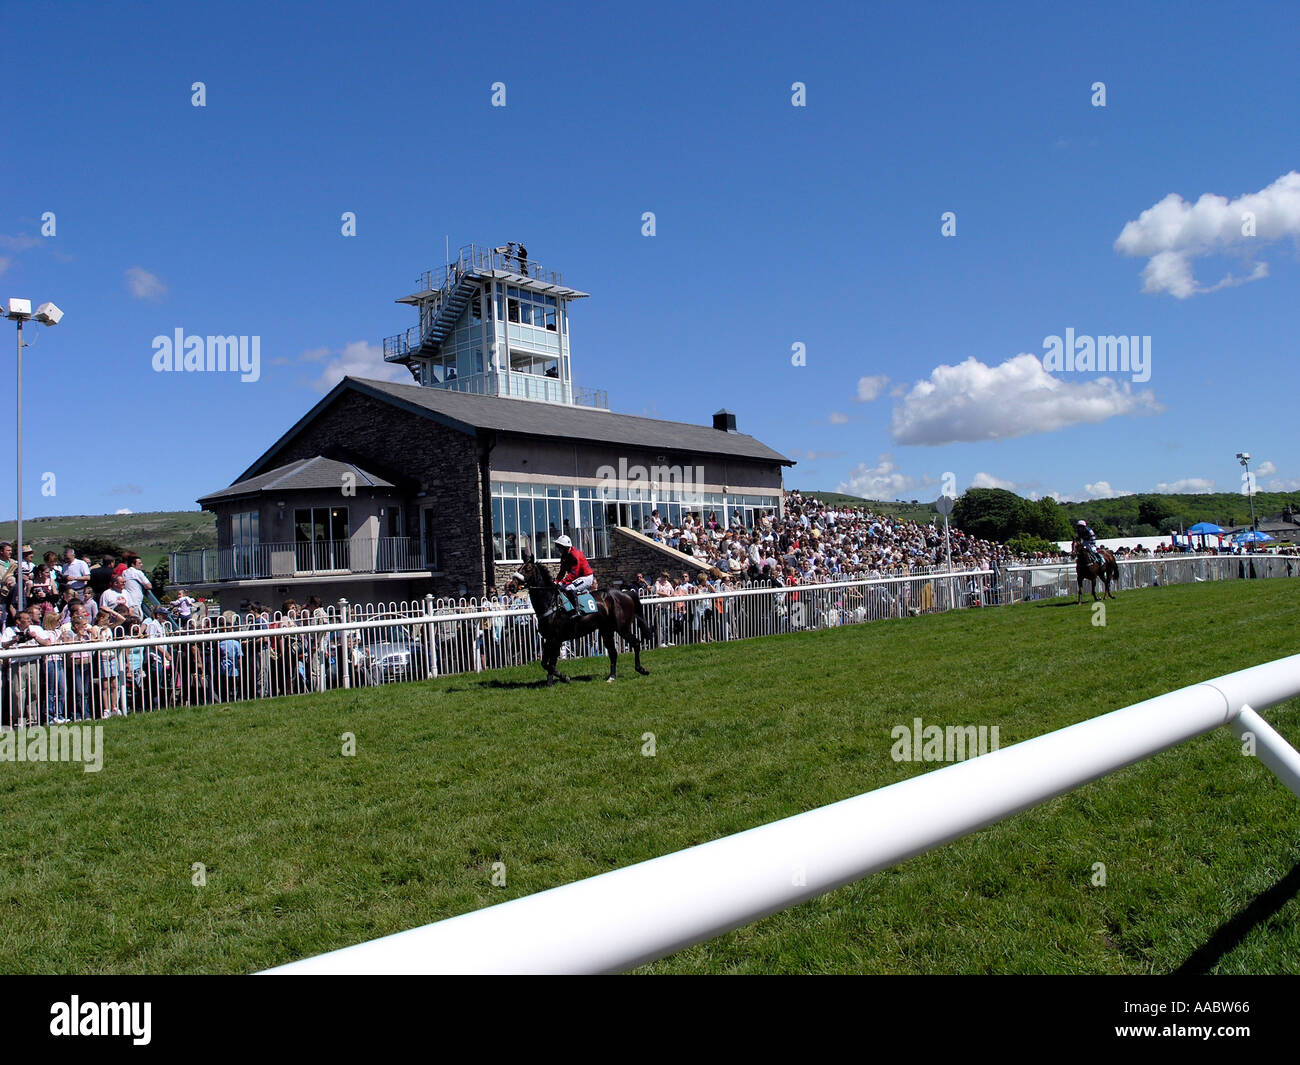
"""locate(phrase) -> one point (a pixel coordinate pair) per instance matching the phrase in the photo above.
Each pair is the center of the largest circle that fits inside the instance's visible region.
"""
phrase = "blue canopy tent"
(1253, 537)
(1204, 529)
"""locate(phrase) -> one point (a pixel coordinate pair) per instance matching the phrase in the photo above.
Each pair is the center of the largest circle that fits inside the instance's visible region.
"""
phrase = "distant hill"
(1142, 514)
(154, 535)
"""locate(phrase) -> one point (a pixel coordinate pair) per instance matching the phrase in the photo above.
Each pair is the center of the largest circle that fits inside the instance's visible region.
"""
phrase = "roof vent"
(724, 421)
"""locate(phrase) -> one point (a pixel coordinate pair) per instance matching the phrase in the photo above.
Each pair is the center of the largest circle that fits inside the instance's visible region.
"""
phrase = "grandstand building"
(388, 491)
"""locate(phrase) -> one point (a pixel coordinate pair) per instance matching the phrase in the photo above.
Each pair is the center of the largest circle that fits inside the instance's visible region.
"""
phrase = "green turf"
(307, 850)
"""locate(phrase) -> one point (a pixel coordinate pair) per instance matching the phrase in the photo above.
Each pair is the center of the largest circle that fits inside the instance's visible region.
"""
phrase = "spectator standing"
(75, 572)
(24, 673)
(101, 577)
(136, 584)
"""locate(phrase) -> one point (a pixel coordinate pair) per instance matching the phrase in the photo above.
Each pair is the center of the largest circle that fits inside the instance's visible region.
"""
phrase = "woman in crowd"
(77, 630)
(109, 669)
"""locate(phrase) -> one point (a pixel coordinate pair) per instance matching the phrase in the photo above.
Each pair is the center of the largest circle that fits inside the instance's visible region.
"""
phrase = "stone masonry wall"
(443, 461)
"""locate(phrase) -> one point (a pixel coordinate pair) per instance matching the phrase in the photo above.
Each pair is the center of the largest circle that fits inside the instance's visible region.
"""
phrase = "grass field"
(308, 850)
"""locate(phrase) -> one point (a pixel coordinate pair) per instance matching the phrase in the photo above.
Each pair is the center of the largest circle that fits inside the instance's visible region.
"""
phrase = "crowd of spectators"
(814, 543)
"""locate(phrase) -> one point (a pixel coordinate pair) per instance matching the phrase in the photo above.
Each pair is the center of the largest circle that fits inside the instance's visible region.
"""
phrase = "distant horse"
(617, 612)
(1085, 569)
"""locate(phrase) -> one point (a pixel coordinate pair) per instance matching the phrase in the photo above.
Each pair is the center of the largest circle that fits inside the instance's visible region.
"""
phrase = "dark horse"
(1085, 569)
(617, 613)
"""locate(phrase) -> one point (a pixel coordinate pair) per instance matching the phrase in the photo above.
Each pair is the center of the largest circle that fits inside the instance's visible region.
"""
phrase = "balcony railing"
(387, 554)
(478, 258)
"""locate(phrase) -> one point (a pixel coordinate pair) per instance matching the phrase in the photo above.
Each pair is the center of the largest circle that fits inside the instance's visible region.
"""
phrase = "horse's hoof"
(609, 680)
(563, 679)
(643, 672)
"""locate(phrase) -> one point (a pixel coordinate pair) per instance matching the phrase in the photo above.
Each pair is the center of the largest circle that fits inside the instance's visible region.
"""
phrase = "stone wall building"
(385, 492)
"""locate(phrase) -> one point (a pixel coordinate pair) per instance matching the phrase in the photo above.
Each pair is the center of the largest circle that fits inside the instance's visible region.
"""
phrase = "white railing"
(228, 658)
(619, 920)
(384, 554)
(1051, 580)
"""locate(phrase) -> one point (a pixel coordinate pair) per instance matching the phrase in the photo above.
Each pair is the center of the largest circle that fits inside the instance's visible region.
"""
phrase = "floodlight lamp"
(48, 314)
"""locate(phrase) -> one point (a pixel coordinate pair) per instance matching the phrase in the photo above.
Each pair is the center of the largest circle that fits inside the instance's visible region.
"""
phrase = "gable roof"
(316, 472)
(469, 413)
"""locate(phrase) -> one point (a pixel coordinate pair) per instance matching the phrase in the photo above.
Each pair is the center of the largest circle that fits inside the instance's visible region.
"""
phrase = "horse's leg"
(547, 663)
(550, 658)
(608, 638)
(635, 641)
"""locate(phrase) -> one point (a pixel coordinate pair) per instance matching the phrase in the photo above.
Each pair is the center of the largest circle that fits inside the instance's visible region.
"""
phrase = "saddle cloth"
(586, 603)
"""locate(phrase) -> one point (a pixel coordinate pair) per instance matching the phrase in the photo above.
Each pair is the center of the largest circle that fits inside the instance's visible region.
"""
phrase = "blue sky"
(775, 225)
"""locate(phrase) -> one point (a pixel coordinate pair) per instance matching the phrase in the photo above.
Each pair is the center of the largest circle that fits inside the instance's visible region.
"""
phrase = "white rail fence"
(1051, 580)
(228, 658)
(619, 920)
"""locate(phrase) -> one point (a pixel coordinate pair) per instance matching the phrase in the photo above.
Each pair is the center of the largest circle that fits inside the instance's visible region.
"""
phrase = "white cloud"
(1194, 485)
(870, 388)
(1265, 469)
(19, 243)
(1036, 495)
(122, 510)
(5, 263)
(358, 359)
(143, 285)
(837, 418)
(881, 481)
(971, 402)
(987, 480)
(1282, 484)
(1102, 490)
(1173, 233)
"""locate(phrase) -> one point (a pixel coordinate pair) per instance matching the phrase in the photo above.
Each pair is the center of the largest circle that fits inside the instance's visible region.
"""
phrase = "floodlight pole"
(1250, 492)
(19, 422)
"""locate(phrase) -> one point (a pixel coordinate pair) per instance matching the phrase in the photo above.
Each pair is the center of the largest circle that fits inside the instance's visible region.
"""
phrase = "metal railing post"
(345, 655)
(429, 629)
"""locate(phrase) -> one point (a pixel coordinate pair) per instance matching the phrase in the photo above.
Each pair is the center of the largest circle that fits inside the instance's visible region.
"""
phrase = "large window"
(244, 538)
(321, 538)
(536, 514)
(531, 308)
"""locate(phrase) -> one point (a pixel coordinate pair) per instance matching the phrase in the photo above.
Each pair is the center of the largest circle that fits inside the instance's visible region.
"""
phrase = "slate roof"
(317, 472)
(469, 413)
(569, 421)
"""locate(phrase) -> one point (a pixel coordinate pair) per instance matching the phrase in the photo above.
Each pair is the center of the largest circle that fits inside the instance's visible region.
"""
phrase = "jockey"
(576, 575)
(1087, 539)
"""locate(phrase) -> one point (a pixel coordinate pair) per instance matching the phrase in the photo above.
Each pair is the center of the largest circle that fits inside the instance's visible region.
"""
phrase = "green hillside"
(153, 535)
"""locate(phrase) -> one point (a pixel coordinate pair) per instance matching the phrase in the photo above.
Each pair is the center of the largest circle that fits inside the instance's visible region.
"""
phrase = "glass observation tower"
(494, 323)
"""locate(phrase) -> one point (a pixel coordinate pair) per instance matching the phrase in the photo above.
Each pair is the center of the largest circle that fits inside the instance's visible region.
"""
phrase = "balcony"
(480, 259)
(387, 554)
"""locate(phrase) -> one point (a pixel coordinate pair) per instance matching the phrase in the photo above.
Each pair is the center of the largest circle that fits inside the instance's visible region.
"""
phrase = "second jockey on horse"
(1088, 541)
(576, 575)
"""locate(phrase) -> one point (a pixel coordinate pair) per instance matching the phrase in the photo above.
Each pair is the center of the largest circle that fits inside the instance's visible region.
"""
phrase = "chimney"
(724, 421)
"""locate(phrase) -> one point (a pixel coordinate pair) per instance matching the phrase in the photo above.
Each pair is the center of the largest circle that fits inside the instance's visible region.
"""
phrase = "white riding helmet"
(563, 541)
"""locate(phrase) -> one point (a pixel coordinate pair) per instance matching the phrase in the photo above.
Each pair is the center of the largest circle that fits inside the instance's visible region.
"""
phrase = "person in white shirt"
(115, 601)
(75, 572)
(24, 683)
(183, 606)
(136, 583)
